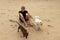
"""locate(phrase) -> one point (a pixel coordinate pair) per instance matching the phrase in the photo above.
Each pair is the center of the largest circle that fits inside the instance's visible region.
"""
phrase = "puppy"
(23, 30)
(37, 23)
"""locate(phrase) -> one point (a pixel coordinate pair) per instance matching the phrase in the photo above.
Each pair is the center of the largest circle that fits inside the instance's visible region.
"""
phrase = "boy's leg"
(23, 21)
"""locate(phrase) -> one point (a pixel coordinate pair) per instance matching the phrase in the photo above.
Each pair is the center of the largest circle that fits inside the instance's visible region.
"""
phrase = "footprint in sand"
(0, 16)
(48, 33)
(47, 20)
(3, 13)
(15, 25)
(2, 23)
(11, 20)
(9, 10)
(11, 25)
(49, 25)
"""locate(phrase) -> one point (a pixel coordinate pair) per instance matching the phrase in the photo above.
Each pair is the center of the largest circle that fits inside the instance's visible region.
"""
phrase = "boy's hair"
(22, 7)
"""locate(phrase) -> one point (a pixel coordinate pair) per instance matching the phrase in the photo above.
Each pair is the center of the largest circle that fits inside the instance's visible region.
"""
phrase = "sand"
(48, 10)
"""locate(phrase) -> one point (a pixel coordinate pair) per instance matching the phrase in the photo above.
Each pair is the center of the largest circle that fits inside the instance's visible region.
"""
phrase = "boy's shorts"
(24, 18)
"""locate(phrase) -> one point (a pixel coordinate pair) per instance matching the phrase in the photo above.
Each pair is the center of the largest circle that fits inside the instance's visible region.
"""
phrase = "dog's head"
(37, 17)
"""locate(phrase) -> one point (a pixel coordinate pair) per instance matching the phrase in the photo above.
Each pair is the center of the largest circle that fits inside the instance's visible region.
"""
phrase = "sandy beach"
(48, 10)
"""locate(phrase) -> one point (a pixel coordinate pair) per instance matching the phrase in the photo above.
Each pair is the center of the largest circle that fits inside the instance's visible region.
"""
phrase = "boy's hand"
(25, 24)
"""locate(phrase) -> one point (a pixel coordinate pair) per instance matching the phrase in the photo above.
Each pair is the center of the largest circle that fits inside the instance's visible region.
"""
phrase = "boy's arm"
(20, 15)
(30, 16)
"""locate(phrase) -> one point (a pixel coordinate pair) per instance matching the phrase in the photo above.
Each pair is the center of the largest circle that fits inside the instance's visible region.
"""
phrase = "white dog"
(37, 23)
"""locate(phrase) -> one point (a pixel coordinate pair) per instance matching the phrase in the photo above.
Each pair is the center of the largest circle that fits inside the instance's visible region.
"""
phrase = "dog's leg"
(37, 27)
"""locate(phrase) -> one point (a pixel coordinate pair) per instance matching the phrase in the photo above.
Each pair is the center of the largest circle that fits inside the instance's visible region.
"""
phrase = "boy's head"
(22, 8)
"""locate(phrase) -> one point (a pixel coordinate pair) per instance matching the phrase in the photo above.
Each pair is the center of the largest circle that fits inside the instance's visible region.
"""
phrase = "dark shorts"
(24, 18)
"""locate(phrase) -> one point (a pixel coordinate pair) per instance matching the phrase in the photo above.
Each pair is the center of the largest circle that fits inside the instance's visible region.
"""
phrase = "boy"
(24, 16)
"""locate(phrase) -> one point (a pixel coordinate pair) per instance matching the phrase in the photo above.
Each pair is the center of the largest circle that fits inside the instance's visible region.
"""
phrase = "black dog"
(23, 30)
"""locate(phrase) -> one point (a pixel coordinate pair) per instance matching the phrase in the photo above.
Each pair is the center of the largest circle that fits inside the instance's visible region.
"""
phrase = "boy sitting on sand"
(24, 16)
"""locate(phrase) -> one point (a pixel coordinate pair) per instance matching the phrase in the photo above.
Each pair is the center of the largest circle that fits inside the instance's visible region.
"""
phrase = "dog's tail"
(14, 21)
